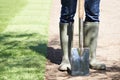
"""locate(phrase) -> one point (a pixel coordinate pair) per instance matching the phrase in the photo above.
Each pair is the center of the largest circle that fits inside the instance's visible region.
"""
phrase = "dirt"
(108, 50)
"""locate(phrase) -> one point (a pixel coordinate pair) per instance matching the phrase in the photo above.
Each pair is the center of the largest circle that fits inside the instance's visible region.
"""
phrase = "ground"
(108, 50)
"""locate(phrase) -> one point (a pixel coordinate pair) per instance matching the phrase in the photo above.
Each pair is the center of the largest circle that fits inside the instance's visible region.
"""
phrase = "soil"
(108, 50)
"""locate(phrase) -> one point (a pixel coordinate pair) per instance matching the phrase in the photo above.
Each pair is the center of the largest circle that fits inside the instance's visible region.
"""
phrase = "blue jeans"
(68, 10)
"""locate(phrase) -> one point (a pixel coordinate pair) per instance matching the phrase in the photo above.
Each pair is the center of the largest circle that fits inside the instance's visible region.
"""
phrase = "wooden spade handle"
(81, 9)
(80, 16)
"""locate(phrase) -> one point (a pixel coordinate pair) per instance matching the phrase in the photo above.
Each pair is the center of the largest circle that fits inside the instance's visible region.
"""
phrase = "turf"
(23, 39)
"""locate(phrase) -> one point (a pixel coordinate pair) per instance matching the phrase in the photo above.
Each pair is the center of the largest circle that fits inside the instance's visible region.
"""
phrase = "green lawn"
(8, 9)
(23, 38)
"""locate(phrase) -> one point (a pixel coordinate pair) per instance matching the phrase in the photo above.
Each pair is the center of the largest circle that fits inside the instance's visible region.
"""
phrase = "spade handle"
(81, 9)
(80, 15)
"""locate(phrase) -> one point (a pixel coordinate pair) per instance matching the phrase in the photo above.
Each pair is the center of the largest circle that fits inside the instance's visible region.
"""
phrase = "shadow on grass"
(22, 50)
(40, 48)
(23, 41)
(8, 10)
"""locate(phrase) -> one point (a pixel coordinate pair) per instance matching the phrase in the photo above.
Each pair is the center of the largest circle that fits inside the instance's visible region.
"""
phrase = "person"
(90, 29)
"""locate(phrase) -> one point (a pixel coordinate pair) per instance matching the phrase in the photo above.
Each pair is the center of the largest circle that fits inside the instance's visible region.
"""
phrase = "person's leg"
(92, 10)
(68, 11)
(66, 31)
(91, 28)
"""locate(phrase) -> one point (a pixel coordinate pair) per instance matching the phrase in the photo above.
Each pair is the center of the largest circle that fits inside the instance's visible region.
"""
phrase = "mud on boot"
(66, 38)
(94, 64)
(90, 40)
(64, 65)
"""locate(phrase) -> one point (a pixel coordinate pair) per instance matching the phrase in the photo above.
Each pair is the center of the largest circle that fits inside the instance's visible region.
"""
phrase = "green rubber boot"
(90, 40)
(66, 38)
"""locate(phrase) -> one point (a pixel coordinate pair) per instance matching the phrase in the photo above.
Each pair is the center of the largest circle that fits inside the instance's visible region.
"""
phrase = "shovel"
(79, 58)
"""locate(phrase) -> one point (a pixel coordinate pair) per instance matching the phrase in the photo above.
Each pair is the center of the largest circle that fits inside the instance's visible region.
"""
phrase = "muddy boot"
(66, 36)
(90, 40)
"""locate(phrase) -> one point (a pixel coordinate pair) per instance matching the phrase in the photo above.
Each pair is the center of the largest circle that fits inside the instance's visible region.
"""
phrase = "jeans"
(68, 10)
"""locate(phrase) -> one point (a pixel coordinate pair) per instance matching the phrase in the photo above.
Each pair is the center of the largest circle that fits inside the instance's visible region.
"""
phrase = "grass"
(8, 10)
(23, 39)
(22, 57)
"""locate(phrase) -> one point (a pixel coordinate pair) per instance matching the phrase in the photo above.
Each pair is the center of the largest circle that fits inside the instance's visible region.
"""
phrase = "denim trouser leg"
(68, 10)
(92, 10)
